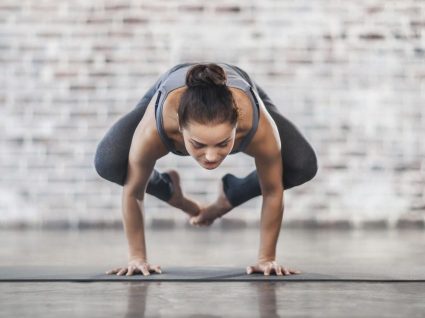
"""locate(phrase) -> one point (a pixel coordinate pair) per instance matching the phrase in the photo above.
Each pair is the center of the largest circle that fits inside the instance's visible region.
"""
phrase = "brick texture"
(349, 74)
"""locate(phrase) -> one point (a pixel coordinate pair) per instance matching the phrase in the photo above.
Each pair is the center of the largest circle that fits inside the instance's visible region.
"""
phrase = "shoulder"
(266, 141)
(146, 143)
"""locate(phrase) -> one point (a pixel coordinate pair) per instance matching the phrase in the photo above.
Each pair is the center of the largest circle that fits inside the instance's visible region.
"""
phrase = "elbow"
(273, 192)
(274, 198)
(131, 192)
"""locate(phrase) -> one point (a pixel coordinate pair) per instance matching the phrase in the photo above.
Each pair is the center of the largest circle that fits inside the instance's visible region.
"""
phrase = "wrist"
(266, 258)
(133, 257)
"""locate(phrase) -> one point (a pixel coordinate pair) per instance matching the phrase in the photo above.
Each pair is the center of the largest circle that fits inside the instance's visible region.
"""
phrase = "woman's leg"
(298, 158)
(111, 158)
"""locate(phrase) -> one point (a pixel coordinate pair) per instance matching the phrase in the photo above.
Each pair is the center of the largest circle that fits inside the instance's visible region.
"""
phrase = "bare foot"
(179, 200)
(212, 211)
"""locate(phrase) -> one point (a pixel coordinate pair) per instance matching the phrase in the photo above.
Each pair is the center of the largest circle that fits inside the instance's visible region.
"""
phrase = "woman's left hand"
(267, 267)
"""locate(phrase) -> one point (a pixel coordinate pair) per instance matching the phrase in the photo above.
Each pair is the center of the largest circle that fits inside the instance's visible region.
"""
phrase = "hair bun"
(206, 75)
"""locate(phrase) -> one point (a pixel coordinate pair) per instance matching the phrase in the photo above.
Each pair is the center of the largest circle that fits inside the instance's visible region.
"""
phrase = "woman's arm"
(146, 148)
(132, 207)
(265, 147)
(138, 174)
(270, 225)
(270, 170)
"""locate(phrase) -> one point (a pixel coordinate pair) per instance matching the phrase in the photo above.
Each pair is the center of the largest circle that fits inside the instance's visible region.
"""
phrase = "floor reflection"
(204, 303)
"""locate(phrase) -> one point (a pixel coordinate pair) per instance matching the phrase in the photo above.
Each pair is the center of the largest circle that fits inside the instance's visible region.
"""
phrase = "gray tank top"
(177, 77)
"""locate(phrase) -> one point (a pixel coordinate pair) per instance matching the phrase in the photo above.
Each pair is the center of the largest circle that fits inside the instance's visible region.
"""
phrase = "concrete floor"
(393, 252)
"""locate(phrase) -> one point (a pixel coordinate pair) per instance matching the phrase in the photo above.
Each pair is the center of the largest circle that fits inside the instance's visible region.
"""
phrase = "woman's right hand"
(135, 266)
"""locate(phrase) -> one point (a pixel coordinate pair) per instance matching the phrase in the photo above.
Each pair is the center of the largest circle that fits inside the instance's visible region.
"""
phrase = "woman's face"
(209, 145)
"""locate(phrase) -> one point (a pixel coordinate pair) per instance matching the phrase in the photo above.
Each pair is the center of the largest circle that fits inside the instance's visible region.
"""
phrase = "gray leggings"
(298, 157)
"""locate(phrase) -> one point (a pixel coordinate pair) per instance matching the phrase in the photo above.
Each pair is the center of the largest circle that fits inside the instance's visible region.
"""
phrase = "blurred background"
(349, 74)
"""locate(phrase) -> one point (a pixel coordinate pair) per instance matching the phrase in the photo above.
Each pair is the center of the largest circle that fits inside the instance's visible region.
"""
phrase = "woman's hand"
(267, 267)
(136, 266)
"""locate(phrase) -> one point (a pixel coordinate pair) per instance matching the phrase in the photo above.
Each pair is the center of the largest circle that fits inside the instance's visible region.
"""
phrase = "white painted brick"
(350, 75)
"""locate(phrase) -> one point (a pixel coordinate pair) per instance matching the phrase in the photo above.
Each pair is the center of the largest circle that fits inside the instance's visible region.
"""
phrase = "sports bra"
(177, 78)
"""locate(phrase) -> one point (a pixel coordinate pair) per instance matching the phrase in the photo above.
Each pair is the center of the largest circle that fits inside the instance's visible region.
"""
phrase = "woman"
(207, 111)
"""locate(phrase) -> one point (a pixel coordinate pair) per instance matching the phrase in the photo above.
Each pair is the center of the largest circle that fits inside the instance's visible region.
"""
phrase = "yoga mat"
(184, 274)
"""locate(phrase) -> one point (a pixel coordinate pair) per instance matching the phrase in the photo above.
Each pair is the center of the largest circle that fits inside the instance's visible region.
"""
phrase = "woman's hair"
(207, 100)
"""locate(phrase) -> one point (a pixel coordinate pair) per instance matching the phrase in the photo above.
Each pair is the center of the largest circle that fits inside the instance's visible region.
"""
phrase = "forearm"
(271, 221)
(134, 226)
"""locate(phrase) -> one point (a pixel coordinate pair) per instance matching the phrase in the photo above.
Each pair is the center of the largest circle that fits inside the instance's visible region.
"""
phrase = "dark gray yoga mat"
(174, 273)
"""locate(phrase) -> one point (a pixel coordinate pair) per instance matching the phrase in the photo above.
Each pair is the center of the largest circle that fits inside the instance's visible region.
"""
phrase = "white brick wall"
(349, 74)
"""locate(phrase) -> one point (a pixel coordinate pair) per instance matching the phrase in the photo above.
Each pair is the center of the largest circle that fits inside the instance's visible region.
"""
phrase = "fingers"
(279, 270)
(271, 267)
(122, 271)
(285, 271)
(157, 269)
(145, 269)
(130, 270)
(112, 271)
(250, 270)
(267, 269)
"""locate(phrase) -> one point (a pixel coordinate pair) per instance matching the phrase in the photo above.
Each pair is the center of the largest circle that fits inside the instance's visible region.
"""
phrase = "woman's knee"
(304, 168)
(108, 166)
(311, 166)
(111, 157)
